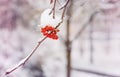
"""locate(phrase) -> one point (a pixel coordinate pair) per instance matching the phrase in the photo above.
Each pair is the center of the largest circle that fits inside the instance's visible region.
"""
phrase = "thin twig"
(63, 13)
(53, 9)
(65, 5)
(21, 63)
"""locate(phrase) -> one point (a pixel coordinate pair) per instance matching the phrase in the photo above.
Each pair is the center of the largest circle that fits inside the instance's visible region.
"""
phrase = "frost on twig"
(22, 62)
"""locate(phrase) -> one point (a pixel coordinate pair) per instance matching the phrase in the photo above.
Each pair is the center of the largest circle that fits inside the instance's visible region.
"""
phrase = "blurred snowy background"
(94, 35)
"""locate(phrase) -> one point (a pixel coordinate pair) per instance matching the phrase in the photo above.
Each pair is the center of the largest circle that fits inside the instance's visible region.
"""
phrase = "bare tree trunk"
(108, 40)
(68, 42)
(91, 44)
(68, 48)
(81, 47)
(91, 36)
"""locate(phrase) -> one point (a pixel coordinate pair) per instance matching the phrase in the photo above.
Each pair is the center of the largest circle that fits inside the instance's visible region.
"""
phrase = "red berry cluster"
(50, 32)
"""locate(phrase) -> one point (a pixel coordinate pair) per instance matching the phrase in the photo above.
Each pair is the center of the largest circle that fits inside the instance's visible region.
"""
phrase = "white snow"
(47, 18)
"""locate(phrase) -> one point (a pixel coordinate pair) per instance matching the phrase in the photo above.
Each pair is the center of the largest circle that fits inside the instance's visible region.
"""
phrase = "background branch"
(94, 72)
(85, 25)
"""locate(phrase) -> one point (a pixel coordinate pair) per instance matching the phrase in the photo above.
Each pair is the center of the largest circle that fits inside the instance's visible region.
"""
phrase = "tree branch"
(53, 9)
(65, 5)
(22, 62)
(94, 72)
(85, 26)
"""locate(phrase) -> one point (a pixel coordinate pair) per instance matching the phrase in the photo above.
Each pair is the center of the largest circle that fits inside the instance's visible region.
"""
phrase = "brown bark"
(68, 49)
(68, 42)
